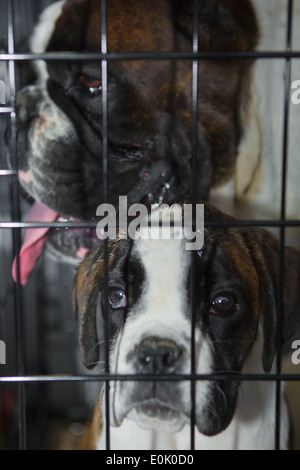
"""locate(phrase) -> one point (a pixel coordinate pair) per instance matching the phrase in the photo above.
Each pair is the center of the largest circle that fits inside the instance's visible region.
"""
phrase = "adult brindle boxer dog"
(59, 119)
(150, 311)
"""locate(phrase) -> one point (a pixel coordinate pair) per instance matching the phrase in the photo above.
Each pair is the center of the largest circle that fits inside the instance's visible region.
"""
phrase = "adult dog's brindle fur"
(149, 102)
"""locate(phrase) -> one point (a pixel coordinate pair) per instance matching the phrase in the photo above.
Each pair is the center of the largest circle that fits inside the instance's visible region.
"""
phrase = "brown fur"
(162, 26)
(93, 431)
(85, 300)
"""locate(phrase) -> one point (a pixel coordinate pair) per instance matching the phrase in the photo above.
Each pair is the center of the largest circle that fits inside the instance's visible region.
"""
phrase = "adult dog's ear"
(86, 293)
(267, 260)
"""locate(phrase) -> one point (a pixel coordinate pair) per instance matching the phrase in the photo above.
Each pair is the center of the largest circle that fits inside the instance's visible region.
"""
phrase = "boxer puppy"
(59, 118)
(150, 310)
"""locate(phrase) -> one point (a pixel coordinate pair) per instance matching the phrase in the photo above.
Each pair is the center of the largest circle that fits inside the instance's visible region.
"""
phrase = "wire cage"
(43, 383)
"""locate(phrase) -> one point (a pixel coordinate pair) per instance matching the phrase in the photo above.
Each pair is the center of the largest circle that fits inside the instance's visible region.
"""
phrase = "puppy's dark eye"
(91, 84)
(223, 305)
(117, 299)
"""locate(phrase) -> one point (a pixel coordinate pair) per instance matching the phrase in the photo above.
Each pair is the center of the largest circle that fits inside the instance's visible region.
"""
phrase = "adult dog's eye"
(223, 305)
(118, 299)
(91, 84)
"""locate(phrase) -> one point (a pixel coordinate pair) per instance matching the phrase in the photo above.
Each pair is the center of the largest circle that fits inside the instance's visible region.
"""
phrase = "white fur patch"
(252, 428)
(162, 311)
(42, 34)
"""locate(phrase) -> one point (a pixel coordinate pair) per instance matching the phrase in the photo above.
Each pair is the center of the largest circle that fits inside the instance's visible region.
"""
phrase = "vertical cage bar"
(280, 319)
(17, 241)
(105, 200)
(195, 76)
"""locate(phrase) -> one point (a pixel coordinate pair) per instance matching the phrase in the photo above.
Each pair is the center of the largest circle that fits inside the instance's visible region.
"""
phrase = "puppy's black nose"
(158, 355)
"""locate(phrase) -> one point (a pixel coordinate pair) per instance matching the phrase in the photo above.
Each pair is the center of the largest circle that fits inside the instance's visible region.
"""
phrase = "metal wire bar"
(228, 376)
(215, 223)
(6, 109)
(195, 81)
(8, 172)
(77, 56)
(280, 318)
(105, 200)
(16, 215)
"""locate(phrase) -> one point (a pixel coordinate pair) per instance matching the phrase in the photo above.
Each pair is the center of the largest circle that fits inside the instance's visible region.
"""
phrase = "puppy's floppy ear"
(267, 260)
(86, 293)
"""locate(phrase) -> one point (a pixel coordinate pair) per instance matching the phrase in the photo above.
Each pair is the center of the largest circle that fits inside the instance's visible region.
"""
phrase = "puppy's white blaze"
(162, 308)
(161, 311)
(41, 36)
(164, 223)
(166, 262)
(166, 270)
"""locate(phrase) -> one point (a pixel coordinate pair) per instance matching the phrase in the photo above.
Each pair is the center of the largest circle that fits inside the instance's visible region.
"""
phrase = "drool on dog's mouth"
(69, 244)
(72, 244)
(153, 414)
